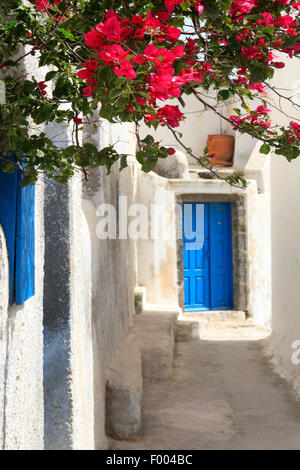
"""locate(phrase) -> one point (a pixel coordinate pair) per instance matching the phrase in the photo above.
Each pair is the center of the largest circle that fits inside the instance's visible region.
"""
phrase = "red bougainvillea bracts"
(136, 62)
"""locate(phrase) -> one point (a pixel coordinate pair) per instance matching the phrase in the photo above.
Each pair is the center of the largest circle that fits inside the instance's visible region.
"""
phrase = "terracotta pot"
(221, 148)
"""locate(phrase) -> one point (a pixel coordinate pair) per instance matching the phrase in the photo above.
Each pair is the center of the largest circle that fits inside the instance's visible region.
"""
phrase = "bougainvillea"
(130, 60)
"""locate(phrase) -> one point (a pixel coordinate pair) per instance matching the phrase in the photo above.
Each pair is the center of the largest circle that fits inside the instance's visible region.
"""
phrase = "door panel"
(195, 254)
(8, 214)
(220, 255)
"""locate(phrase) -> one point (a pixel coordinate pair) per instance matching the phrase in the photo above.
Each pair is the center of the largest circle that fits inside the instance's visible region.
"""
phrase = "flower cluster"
(137, 61)
(155, 63)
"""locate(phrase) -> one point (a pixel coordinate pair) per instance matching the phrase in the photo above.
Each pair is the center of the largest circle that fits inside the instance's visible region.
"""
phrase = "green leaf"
(107, 112)
(258, 73)
(67, 33)
(115, 93)
(50, 75)
(223, 95)
(265, 148)
(123, 162)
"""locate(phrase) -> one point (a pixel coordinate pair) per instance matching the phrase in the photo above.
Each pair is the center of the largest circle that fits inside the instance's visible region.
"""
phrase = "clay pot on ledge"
(220, 149)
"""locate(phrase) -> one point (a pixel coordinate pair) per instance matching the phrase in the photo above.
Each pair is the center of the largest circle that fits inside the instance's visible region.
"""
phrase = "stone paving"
(222, 395)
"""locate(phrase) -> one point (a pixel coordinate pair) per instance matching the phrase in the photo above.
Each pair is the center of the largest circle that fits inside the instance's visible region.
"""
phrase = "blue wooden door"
(17, 218)
(8, 214)
(207, 256)
(196, 256)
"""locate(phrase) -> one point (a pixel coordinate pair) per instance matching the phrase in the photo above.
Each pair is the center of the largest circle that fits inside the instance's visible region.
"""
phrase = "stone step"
(218, 327)
(230, 331)
(155, 332)
(124, 392)
(215, 315)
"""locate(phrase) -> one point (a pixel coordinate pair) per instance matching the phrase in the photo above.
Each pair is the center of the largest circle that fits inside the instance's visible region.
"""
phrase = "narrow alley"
(223, 395)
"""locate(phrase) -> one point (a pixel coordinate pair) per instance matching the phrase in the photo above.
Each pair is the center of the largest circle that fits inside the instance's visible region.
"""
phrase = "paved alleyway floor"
(223, 395)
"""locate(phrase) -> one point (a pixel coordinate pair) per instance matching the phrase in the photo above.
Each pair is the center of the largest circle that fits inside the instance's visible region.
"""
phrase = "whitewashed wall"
(21, 353)
(198, 125)
(285, 243)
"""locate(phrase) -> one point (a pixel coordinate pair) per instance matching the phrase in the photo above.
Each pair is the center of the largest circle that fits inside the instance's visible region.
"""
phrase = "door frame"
(239, 245)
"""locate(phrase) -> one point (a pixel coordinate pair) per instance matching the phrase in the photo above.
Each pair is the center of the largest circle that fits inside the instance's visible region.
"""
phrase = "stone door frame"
(239, 244)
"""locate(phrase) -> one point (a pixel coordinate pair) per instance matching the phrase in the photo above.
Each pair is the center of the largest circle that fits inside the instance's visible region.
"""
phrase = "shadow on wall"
(57, 334)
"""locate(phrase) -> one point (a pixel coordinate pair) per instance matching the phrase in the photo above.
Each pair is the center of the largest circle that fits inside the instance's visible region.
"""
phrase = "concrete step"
(155, 332)
(124, 391)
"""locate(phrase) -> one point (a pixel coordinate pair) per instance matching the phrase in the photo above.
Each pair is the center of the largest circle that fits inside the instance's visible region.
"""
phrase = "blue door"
(207, 256)
(17, 218)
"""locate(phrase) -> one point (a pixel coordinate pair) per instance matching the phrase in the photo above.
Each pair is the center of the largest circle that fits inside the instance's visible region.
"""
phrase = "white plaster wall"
(259, 251)
(82, 362)
(21, 364)
(157, 262)
(285, 244)
(198, 125)
(4, 296)
(106, 271)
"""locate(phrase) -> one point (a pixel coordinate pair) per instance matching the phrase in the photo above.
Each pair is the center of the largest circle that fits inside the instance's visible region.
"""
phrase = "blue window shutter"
(8, 209)
(25, 243)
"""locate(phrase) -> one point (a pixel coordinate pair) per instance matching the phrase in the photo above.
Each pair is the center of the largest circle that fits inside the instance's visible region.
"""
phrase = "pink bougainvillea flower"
(261, 109)
(199, 7)
(151, 52)
(77, 120)
(170, 115)
(172, 33)
(285, 21)
(151, 22)
(113, 53)
(251, 52)
(44, 4)
(139, 59)
(170, 4)
(236, 122)
(257, 87)
(42, 86)
(88, 73)
(111, 28)
(137, 20)
(162, 16)
(125, 70)
(149, 117)
(141, 101)
(139, 34)
(87, 91)
(267, 19)
(278, 65)
(242, 6)
(163, 84)
(189, 75)
(94, 39)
